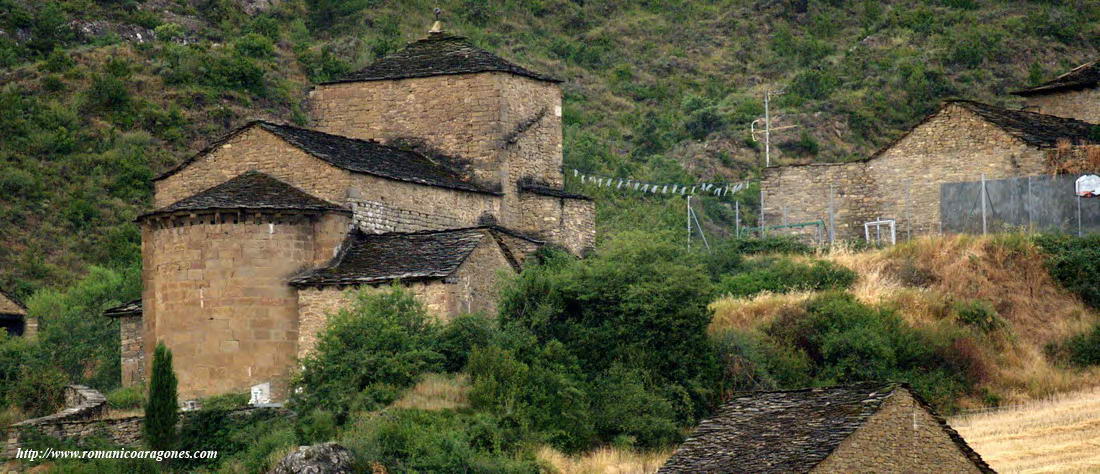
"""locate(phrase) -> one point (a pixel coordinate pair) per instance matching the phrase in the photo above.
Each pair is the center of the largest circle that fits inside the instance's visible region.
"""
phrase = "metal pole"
(689, 219)
(909, 210)
(984, 227)
(760, 218)
(767, 129)
(700, 228)
(832, 216)
(1079, 234)
(737, 218)
(1028, 204)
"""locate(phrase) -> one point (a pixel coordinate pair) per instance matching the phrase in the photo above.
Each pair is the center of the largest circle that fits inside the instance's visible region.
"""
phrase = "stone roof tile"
(250, 190)
(132, 308)
(1035, 129)
(1081, 77)
(9, 305)
(377, 258)
(438, 54)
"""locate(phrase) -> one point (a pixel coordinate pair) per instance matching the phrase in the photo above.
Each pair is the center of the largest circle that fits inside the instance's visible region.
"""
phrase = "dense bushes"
(780, 275)
(368, 352)
(1075, 263)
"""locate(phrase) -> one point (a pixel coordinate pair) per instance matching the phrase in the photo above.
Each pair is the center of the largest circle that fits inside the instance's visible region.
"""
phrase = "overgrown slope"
(659, 91)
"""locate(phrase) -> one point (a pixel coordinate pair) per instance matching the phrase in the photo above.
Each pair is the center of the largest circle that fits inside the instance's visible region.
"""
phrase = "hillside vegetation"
(656, 91)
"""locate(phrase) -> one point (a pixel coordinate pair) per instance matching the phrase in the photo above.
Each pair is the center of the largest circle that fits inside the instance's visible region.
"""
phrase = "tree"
(162, 410)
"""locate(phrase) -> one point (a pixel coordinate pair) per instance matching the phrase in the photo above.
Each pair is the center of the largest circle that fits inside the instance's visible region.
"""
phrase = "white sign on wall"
(261, 394)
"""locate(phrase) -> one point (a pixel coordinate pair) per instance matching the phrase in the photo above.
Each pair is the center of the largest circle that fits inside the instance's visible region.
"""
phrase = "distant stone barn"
(13, 317)
(438, 167)
(959, 142)
(859, 428)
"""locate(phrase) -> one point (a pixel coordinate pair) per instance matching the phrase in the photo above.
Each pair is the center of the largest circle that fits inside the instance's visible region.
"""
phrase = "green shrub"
(126, 398)
(39, 391)
(162, 407)
(255, 45)
(459, 337)
(245, 438)
(1082, 349)
(1074, 262)
(783, 275)
(168, 32)
(769, 244)
(226, 401)
(106, 93)
(978, 314)
(438, 441)
(846, 341)
(383, 339)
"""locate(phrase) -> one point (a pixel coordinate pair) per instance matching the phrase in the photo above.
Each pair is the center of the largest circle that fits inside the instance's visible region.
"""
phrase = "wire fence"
(1034, 203)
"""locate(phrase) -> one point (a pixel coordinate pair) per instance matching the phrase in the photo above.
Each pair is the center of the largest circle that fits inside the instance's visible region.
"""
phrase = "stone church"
(438, 166)
(959, 142)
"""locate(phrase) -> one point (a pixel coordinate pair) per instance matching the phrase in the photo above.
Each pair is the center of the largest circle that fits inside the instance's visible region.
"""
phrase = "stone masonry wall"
(315, 305)
(217, 296)
(255, 149)
(133, 353)
(382, 205)
(458, 115)
(901, 438)
(570, 223)
(472, 288)
(1082, 104)
(903, 182)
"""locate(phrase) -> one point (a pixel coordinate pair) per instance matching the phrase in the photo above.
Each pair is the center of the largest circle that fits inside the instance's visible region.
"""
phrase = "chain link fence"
(1031, 203)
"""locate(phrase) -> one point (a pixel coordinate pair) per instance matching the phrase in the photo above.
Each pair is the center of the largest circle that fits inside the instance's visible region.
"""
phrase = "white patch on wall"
(261, 394)
(557, 111)
(270, 228)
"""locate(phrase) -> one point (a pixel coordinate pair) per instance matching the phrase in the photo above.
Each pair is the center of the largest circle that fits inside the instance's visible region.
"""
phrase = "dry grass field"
(1060, 434)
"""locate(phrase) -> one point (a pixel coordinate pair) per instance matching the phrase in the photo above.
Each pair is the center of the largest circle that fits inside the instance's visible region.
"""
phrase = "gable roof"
(356, 155)
(438, 54)
(377, 258)
(1081, 77)
(132, 308)
(250, 190)
(9, 305)
(785, 431)
(1035, 129)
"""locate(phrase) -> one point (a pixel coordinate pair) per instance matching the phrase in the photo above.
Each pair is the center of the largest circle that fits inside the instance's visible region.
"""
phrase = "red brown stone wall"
(902, 183)
(901, 438)
(383, 205)
(255, 149)
(1083, 104)
(217, 297)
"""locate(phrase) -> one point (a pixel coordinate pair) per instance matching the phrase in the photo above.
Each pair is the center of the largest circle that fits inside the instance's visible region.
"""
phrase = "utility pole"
(767, 126)
(689, 219)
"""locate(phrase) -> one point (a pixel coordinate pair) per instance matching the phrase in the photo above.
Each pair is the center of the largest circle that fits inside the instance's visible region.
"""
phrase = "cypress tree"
(161, 409)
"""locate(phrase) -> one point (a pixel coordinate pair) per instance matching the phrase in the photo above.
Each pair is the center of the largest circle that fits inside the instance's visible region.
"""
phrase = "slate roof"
(251, 190)
(1083, 76)
(132, 308)
(1035, 129)
(360, 156)
(376, 258)
(438, 54)
(786, 431)
(9, 305)
(544, 190)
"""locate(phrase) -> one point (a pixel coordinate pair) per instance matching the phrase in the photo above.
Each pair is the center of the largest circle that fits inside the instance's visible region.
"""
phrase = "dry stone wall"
(1081, 104)
(132, 350)
(902, 437)
(902, 182)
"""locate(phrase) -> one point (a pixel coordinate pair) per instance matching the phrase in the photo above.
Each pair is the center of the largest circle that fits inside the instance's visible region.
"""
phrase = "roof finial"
(437, 27)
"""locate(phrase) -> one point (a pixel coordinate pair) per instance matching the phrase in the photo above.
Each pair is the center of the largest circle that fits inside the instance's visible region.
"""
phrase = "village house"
(962, 141)
(1075, 94)
(869, 427)
(13, 317)
(438, 167)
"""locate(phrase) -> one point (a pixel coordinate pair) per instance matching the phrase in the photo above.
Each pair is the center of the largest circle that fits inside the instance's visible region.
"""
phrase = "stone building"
(860, 428)
(438, 167)
(959, 142)
(1075, 94)
(13, 317)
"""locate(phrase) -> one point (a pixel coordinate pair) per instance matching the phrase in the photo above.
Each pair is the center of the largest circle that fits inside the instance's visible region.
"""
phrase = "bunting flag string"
(715, 189)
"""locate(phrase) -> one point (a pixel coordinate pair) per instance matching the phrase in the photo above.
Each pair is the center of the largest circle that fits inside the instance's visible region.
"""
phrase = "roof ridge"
(892, 385)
